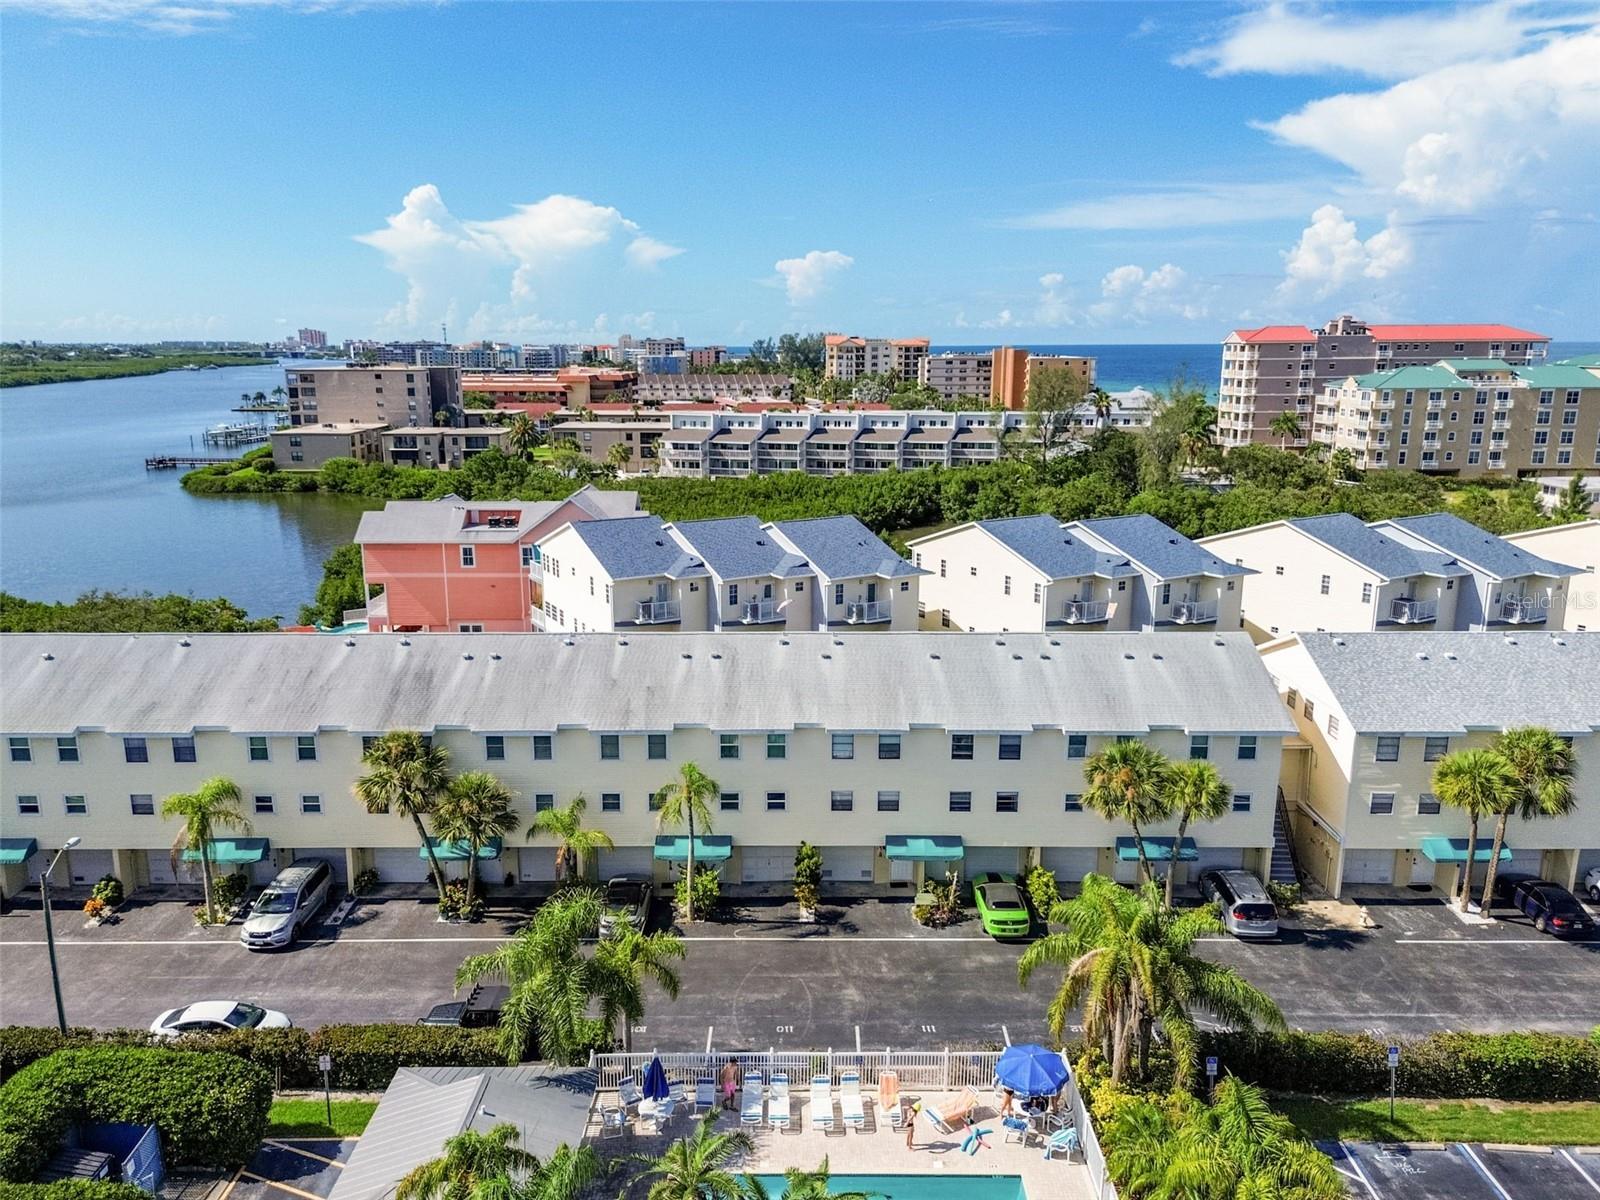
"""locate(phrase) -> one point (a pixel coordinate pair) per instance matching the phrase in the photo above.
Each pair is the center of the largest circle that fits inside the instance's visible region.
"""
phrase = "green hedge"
(365, 1057)
(1501, 1066)
(73, 1189)
(211, 1109)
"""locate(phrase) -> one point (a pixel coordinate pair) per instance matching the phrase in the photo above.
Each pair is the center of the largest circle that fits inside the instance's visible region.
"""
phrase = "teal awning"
(923, 849)
(16, 850)
(1156, 849)
(232, 852)
(710, 847)
(460, 851)
(1454, 850)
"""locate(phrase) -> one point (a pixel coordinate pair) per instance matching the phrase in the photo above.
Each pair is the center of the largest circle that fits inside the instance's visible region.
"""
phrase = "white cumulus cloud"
(1331, 255)
(646, 252)
(805, 278)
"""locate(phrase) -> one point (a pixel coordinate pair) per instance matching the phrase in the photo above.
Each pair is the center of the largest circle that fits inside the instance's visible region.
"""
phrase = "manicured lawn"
(309, 1118)
(1444, 1121)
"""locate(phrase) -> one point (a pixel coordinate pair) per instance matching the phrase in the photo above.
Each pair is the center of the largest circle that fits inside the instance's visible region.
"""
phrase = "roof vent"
(1421, 657)
(495, 657)
(1559, 641)
(1338, 641)
(622, 641)
(1511, 641)
(714, 654)
(837, 642)
(783, 641)
(466, 658)
(686, 655)
(48, 657)
(659, 542)
(1451, 657)
(1054, 642)
(935, 657)
(1129, 657)
(568, 642)
(349, 641)
(1046, 657)
(827, 655)
(405, 641)
(761, 541)
(1016, 657)
(1157, 657)
(1172, 541)
(185, 642)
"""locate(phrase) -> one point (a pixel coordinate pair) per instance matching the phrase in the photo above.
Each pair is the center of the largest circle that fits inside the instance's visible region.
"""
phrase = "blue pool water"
(918, 1187)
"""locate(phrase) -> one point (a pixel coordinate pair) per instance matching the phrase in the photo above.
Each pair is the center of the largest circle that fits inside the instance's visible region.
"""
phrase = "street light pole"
(50, 931)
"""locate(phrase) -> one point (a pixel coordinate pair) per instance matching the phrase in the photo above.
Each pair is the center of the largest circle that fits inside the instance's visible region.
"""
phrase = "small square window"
(258, 749)
(610, 801)
(1077, 745)
(888, 745)
(134, 750)
(1010, 746)
(1005, 802)
(1199, 745)
(468, 556)
(960, 802)
(21, 749)
(1074, 802)
(494, 747)
(1388, 749)
(77, 806)
(306, 748)
(841, 801)
(1435, 748)
(961, 746)
(66, 749)
(1241, 802)
(1247, 746)
(543, 747)
(1381, 804)
(888, 801)
(142, 804)
(728, 801)
(611, 746)
(183, 749)
(656, 746)
(728, 745)
(844, 745)
(777, 745)
(543, 801)
(1427, 805)
(310, 805)
(28, 806)
(263, 804)
(653, 802)
(777, 801)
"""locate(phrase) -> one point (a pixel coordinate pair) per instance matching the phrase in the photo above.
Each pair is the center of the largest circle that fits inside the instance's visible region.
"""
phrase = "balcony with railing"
(1524, 610)
(1194, 612)
(760, 612)
(866, 612)
(657, 612)
(1405, 611)
(1086, 612)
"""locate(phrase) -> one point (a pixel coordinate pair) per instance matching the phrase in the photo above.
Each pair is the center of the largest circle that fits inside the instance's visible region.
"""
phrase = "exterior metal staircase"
(1285, 868)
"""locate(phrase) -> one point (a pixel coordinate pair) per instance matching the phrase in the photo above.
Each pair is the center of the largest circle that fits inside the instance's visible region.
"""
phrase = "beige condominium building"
(394, 395)
(311, 447)
(896, 756)
(1433, 572)
(1034, 573)
(668, 389)
(1377, 712)
(845, 356)
(1578, 544)
(595, 439)
(1014, 370)
(955, 374)
(440, 446)
(1466, 417)
(1283, 368)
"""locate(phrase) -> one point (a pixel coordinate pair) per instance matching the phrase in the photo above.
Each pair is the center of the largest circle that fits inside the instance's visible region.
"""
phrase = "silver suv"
(290, 901)
(1247, 910)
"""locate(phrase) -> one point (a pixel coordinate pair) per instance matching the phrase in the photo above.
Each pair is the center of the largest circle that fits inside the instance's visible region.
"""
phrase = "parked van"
(1247, 910)
(290, 901)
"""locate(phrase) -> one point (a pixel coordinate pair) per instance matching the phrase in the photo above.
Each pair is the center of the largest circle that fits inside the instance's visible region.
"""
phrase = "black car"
(480, 1010)
(1553, 908)
(1506, 881)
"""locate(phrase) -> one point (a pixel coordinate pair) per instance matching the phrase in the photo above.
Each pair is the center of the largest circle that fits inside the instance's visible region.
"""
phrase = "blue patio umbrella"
(655, 1080)
(1032, 1070)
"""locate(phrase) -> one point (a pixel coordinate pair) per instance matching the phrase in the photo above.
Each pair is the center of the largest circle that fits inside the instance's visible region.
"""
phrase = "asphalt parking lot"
(1466, 1172)
(763, 979)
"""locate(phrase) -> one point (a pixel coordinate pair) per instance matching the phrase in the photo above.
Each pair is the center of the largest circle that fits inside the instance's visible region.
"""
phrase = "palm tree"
(619, 455)
(475, 809)
(522, 435)
(1199, 434)
(623, 963)
(405, 774)
(1127, 782)
(1131, 964)
(1575, 503)
(279, 395)
(685, 800)
(800, 1184)
(1542, 762)
(1481, 783)
(699, 1167)
(1196, 792)
(574, 843)
(1100, 400)
(217, 805)
(1287, 426)
(493, 1166)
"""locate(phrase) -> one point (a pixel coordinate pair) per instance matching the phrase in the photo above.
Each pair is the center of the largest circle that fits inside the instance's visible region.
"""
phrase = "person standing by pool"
(913, 1107)
(729, 1083)
(1005, 1104)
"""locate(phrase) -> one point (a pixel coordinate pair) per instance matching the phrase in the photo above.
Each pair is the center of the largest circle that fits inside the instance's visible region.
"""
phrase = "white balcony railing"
(757, 612)
(1523, 610)
(1086, 612)
(866, 612)
(1194, 612)
(1412, 612)
(652, 612)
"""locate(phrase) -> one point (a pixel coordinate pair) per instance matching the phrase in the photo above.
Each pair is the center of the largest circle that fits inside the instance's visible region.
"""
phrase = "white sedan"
(1591, 884)
(216, 1016)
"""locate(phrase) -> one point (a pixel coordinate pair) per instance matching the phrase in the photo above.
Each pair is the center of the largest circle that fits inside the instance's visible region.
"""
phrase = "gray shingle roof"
(841, 547)
(739, 548)
(1158, 547)
(1060, 553)
(1376, 551)
(401, 522)
(279, 683)
(1478, 548)
(637, 548)
(1415, 682)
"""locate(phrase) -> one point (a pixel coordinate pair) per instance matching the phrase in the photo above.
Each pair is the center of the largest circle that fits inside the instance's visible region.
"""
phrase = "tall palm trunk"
(1466, 868)
(1138, 844)
(472, 873)
(1172, 863)
(433, 859)
(1494, 860)
(205, 879)
(688, 871)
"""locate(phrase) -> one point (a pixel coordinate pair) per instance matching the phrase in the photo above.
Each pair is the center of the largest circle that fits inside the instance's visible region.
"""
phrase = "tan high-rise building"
(848, 357)
(391, 394)
(955, 374)
(1014, 368)
(1282, 368)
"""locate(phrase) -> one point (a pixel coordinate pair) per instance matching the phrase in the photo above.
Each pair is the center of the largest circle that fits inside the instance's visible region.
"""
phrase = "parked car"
(1247, 910)
(1591, 884)
(626, 899)
(1553, 908)
(1505, 883)
(216, 1016)
(1001, 908)
(479, 1010)
(287, 904)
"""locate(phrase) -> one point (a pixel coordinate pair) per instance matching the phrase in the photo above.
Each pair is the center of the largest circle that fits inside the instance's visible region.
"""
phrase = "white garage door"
(1004, 859)
(848, 864)
(334, 855)
(400, 864)
(88, 866)
(1522, 862)
(627, 860)
(1070, 863)
(536, 864)
(158, 864)
(1218, 858)
(766, 864)
(1368, 866)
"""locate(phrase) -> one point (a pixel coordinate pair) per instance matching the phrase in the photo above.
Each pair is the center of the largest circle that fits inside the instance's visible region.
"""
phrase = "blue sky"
(1029, 172)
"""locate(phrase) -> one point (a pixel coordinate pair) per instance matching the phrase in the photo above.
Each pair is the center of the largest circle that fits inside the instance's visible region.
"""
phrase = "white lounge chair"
(750, 1103)
(778, 1101)
(628, 1093)
(821, 1102)
(850, 1106)
(613, 1122)
(705, 1094)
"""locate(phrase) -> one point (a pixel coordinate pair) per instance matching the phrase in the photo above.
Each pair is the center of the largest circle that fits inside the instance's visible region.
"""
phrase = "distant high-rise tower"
(313, 339)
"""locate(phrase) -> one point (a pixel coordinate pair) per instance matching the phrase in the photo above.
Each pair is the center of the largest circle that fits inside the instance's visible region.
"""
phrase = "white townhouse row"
(1377, 711)
(896, 755)
(1577, 543)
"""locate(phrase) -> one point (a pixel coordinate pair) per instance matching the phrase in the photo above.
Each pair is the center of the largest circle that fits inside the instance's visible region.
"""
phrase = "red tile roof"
(1275, 333)
(1455, 333)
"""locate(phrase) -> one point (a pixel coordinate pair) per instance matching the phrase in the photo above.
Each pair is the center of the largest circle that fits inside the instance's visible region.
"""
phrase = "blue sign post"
(1394, 1063)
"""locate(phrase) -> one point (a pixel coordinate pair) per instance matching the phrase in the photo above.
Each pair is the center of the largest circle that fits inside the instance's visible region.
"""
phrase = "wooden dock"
(169, 462)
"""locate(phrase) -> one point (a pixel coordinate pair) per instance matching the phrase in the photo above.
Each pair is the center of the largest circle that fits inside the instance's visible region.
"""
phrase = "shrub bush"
(807, 876)
(366, 882)
(228, 890)
(1042, 890)
(706, 892)
(453, 902)
(211, 1109)
(109, 890)
(73, 1189)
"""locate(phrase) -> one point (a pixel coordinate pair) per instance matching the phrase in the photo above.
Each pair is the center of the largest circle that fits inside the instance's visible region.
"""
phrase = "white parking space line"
(1483, 1170)
(1475, 944)
(1578, 1167)
(60, 942)
(1356, 1172)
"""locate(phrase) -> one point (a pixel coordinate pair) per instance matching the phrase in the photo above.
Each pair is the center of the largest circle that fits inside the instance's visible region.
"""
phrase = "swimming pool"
(919, 1187)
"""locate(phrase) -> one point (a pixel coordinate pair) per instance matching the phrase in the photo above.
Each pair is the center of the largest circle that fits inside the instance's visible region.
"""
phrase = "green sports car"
(1001, 908)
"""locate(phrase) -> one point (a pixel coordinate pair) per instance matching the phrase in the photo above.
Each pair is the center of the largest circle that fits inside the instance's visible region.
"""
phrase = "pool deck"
(876, 1149)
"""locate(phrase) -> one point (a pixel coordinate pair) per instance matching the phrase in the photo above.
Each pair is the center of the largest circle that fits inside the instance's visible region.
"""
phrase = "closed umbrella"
(1032, 1070)
(655, 1080)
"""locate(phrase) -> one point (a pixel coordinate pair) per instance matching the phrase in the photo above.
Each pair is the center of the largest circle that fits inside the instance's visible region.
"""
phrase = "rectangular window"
(1326, 584)
(66, 749)
(653, 802)
(1428, 805)
(1074, 802)
(961, 802)
(888, 745)
(1381, 804)
(611, 746)
(838, 593)
(134, 750)
(142, 804)
(777, 745)
(182, 749)
(1366, 593)
(1037, 593)
(1333, 726)
(656, 746)
(258, 749)
(777, 801)
(1005, 802)
(728, 801)
(77, 806)
(28, 806)
(494, 747)
(844, 745)
(1435, 748)
(1241, 802)
(1007, 585)
(1292, 698)
(310, 805)
(1247, 746)
(468, 555)
(961, 746)
(543, 801)
(727, 745)
(1308, 708)
(543, 747)
(306, 747)
(1388, 748)
(263, 804)
(1199, 745)
(841, 801)
(610, 801)
(888, 801)
(1010, 746)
